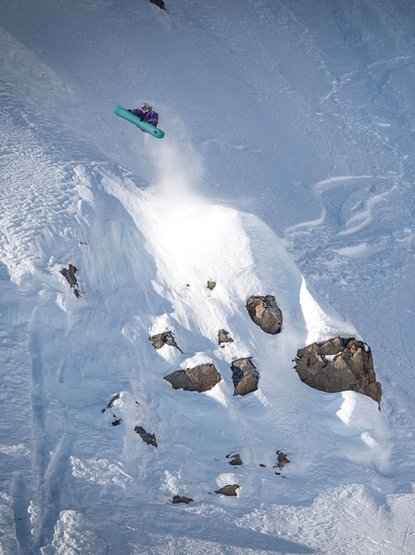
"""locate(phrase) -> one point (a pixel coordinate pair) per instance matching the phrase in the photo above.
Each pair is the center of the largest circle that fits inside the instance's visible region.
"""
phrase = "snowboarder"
(146, 113)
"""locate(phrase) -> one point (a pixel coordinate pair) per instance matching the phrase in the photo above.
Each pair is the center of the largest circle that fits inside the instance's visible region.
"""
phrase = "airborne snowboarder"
(144, 117)
(146, 113)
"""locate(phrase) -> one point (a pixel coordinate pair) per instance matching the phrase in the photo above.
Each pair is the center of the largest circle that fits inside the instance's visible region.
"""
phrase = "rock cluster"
(337, 364)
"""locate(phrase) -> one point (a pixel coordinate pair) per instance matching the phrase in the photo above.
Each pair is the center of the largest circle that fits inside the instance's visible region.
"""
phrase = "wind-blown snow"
(286, 170)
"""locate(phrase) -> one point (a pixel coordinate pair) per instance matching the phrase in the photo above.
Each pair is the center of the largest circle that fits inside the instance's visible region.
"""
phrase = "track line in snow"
(406, 534)
(20, 506)
(39, 445)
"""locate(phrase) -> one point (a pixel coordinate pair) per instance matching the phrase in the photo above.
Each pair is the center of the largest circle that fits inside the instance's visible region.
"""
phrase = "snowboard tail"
(144, 125)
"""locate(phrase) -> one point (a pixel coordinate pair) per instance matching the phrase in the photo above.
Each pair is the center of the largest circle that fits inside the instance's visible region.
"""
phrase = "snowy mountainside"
(144, 258)
(147, 223)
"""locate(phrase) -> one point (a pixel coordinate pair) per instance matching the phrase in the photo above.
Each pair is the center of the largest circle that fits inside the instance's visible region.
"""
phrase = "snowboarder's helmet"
(146, 107)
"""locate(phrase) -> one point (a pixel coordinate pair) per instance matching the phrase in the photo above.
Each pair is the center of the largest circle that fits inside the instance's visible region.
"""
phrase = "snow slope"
(147, 223)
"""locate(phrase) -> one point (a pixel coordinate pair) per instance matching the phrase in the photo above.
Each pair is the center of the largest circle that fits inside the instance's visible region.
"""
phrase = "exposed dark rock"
(262, 465)
(150, 439)
(265, 312)
(159, 3)
(69, 275)
(235, 459)
(112, 400)
(245, 376)
(200, 378)
(165, 338)
(339, 364)
(224, 337)
(116, 421)
(282, 460)
(229, 490)
(211, 284)
(181, 499)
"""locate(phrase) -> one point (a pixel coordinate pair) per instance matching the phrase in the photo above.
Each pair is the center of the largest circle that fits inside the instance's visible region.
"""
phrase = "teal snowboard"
(144, 125)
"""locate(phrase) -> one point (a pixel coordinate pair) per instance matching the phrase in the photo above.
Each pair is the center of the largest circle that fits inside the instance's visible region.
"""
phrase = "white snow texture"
(287, 169)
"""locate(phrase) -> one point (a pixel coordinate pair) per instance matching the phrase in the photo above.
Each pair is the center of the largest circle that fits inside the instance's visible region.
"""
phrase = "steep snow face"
(306, 132)
(144, 259)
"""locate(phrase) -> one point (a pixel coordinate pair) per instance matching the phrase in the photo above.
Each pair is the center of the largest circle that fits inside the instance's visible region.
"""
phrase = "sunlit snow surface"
(286, 170)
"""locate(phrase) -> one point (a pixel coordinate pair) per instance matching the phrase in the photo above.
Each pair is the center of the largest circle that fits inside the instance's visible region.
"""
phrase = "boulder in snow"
(200, 378)
(150, 439)
(181, 499)
(165, 338)
(245, 376)
(229, 490)
(224, 337)
(339, 364)
(265, 312)
(211, 284)
(235, 459)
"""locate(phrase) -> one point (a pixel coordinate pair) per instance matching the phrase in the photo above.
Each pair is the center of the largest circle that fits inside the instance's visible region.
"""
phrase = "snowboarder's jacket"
(151, 117)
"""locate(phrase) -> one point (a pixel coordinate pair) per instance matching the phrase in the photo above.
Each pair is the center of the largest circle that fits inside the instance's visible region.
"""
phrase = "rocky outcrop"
(150, 439)
(166, 338)
(339, 364)
(245, 376)
(69, 275)
(224, 337)
(265, 312)
(200, 378)
(229, 490)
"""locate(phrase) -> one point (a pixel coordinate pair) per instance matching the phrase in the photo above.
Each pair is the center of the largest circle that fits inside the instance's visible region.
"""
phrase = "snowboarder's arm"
(153, 118)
